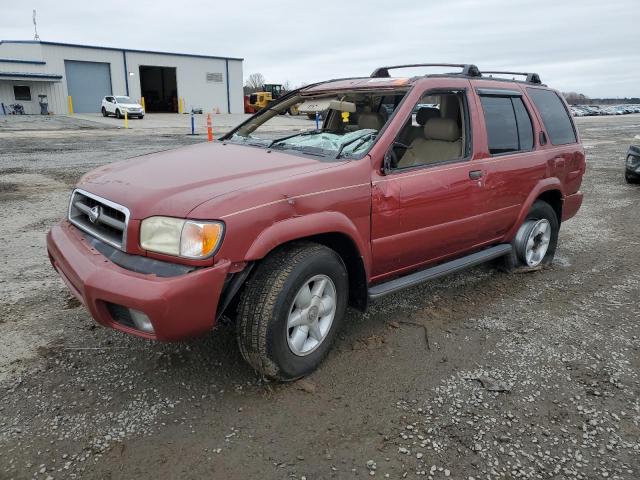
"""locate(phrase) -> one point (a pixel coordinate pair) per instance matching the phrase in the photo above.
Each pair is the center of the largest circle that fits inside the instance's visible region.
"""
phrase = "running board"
(416, 278)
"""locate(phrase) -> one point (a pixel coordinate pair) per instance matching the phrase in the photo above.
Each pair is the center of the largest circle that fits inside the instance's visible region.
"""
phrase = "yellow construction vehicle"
(266, 96)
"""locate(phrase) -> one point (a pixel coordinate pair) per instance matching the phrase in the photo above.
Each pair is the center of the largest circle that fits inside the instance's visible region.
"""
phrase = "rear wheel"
(291, 309)
(631, 179)
(536, 240)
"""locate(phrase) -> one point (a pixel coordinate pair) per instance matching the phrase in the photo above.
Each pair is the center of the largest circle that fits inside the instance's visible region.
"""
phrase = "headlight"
(181, 238)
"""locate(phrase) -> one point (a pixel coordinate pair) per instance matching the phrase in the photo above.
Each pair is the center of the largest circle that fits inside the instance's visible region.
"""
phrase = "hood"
(174, 182)
(130, 105)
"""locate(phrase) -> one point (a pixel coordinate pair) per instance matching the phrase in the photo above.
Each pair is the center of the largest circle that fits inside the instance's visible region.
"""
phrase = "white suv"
(118, 105)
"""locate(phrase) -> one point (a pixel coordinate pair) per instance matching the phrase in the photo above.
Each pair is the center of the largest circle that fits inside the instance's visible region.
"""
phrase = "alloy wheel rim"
(311, 315)
(538, 242)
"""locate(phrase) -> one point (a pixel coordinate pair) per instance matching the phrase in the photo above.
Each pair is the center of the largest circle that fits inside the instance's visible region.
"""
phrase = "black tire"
(141, 117)
(267, 300)
(631, 180)
(104, 112)
(539, 210)
(118, 114)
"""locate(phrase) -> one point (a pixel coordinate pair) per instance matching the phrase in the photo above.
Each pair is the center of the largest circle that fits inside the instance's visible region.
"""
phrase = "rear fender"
(545, 185)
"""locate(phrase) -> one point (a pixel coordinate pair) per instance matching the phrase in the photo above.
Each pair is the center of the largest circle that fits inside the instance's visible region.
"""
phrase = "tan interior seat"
(423, 115)
(441, 142)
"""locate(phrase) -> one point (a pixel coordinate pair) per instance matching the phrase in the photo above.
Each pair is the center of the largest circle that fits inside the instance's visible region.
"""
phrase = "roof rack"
(531, 77)
(467, 69)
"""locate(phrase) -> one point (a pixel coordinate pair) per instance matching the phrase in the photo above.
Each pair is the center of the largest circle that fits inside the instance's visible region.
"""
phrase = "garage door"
(87, 83)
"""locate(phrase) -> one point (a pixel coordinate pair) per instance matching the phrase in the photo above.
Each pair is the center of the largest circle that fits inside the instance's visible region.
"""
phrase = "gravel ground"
(481, 375)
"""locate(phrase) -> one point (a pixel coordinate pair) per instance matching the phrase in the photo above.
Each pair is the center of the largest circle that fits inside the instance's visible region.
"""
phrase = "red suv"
(407, 179)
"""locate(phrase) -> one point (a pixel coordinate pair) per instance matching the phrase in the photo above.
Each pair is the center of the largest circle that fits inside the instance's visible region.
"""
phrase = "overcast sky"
(588, 46)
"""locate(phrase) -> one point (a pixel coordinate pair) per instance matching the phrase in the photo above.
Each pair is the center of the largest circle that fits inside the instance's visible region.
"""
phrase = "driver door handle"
(475, 174)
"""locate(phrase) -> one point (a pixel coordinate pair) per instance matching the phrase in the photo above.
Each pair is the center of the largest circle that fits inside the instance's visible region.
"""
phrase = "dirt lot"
(481, 375)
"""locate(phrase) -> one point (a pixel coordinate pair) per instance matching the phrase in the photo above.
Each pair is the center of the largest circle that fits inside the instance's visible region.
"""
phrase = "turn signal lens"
(200, 240)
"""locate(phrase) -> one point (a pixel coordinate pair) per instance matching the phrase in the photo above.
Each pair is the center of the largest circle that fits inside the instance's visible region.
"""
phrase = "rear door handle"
(475, 174)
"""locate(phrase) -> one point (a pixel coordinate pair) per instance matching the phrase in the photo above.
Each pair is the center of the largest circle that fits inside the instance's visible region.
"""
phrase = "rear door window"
(509, 127)
(554, 116)
(502, 128)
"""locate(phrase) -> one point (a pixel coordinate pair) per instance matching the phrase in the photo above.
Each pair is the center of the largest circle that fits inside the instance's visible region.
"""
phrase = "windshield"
(337, 125)
(124, 100)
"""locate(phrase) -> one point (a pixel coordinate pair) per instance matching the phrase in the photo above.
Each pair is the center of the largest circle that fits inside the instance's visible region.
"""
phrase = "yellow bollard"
(180, 105)
(70, 103)
(126, 120)
(144, 108)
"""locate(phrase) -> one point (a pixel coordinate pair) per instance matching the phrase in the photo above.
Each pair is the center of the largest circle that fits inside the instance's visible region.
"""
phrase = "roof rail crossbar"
(531, 77)
(467, 68)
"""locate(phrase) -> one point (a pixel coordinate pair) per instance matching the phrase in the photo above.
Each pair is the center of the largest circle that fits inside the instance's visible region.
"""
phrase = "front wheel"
(536, 240)
(631, 178)
(118, 114)
(104, 112)
(291, 309)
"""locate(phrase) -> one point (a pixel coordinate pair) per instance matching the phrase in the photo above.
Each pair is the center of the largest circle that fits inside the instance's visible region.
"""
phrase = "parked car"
(632, 165)
(577, 111)
(281, 234)
(118, 105)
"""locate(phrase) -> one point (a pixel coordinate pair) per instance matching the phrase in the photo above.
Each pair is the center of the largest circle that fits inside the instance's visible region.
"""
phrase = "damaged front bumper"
(179, 305)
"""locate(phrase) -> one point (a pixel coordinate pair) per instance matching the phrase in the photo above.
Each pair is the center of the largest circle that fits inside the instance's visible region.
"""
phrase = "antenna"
(35, 26)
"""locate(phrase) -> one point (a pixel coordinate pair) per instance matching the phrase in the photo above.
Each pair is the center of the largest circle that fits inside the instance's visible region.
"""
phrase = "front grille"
(99, 217)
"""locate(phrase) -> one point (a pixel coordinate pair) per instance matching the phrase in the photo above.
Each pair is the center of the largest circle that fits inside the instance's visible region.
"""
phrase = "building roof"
(77, 45)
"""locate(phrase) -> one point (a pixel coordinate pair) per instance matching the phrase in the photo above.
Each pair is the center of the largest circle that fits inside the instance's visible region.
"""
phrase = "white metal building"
(167, 81)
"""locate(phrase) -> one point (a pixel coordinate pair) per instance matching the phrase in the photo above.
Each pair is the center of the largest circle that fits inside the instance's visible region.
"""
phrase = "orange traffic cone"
(209, 128)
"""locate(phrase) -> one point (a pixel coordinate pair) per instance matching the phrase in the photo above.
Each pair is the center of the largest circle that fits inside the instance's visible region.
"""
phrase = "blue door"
(87, 83)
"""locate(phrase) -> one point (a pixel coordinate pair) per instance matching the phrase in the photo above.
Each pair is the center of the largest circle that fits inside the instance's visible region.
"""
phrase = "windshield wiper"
(363, 139)
(301, 134)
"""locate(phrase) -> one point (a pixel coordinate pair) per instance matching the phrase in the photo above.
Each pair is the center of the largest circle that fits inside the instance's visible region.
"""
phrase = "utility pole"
(35, 26)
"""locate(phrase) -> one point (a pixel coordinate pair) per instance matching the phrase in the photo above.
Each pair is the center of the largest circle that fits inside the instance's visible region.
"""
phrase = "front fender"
(306, 226)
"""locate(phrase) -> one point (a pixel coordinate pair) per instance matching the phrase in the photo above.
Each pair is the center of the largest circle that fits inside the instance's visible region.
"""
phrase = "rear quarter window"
(554, 115)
